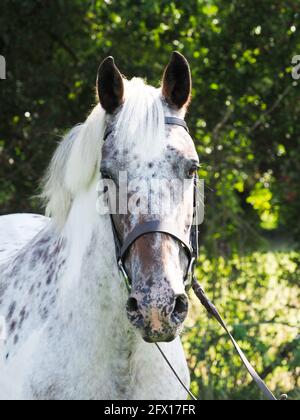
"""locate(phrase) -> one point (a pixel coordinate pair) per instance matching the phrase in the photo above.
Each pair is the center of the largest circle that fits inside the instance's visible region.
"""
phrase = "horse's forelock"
(140, 125)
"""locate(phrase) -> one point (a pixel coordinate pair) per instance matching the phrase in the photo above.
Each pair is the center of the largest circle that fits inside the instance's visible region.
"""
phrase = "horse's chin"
(153, 340)
(160, 338)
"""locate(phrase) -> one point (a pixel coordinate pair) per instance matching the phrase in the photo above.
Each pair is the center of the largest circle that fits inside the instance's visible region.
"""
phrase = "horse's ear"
(177, 81)
(110, 85)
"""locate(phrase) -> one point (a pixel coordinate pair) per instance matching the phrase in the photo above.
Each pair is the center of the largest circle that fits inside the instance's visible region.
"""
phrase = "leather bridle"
(191, 246)
(189, 242)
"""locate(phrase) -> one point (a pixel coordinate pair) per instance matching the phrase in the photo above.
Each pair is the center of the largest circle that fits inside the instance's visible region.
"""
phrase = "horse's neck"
(92, 290)
(65, 306)
(92, 298)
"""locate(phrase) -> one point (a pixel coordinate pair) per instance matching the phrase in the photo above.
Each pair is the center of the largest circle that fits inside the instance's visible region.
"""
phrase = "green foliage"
(244, 119)
(258, 296)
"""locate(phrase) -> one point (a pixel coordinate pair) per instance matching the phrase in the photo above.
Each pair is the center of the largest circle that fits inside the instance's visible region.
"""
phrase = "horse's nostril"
(181, 304)
(132, 305)
(134, 314)
(180, 309)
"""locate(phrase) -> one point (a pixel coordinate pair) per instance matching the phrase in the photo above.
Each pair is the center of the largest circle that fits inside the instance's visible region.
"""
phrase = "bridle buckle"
(124, 274)
(190, 274)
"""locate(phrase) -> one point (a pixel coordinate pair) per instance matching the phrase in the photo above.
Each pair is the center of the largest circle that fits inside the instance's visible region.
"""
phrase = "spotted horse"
(73, 332)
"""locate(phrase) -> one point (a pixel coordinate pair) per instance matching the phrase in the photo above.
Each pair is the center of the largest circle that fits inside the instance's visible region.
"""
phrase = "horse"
(73, 332)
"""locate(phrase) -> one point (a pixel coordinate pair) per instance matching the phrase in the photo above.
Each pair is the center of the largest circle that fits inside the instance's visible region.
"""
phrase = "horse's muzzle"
(158, 321)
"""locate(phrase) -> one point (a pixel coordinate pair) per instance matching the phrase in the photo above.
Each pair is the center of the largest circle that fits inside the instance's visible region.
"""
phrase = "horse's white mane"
(139, 128)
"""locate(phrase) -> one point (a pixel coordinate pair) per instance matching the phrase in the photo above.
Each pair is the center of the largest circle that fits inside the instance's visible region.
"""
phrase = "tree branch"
(276, 104)
(223, 122)
(283, 353)
(64, 46)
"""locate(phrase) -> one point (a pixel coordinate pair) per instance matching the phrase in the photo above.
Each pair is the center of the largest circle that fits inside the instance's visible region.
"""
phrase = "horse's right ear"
(110, 85)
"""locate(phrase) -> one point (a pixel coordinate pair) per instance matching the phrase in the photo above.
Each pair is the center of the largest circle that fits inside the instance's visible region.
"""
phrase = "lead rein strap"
(192, 396)
(212, 310)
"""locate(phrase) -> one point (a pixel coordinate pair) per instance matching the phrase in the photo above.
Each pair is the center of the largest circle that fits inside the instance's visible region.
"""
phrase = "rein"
(191, 246)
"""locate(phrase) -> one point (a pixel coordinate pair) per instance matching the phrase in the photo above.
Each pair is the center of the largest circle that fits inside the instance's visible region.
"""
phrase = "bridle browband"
(191, 246)
(168, 121)
(189, 243)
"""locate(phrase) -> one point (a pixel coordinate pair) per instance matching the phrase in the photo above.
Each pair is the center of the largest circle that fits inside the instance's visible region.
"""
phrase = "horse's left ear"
(177, 81)
(110, 85)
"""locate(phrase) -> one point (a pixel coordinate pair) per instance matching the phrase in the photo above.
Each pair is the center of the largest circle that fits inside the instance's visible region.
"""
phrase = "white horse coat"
(63, 299)
(71, 339)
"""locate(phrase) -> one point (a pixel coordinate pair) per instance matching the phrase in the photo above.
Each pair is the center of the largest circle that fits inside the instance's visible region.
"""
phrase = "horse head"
(159, 164)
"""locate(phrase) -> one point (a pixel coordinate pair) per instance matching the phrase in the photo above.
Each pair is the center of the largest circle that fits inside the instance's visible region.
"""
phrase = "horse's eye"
(193, 170)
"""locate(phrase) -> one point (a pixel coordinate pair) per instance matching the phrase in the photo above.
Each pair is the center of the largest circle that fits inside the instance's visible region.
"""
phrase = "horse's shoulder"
(16, 231)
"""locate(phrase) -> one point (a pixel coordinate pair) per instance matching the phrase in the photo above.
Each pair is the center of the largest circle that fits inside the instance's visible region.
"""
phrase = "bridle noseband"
(189, 243)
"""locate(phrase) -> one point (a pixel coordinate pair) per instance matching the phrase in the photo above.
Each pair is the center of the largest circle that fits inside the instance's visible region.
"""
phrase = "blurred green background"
(245, 121)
